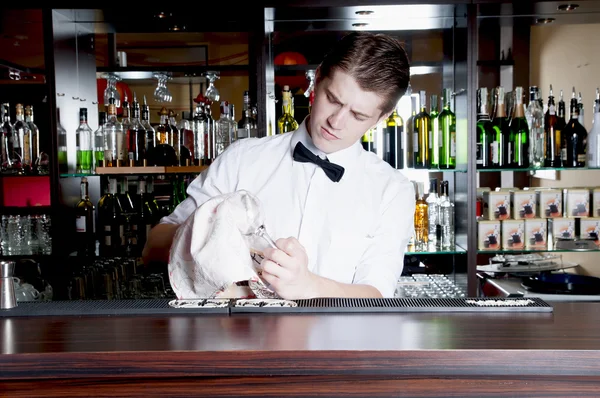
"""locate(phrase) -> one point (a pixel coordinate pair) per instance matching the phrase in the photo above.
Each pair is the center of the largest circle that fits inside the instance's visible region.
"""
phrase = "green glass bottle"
(408, 150)
(422, 132)
(286, 122)
(485, 131)
(448, 133)
(368, 140)
(519, 133)
(435, 142)
(501, 148)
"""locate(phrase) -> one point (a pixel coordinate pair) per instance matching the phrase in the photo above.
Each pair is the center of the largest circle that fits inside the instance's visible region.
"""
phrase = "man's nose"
(337, 119)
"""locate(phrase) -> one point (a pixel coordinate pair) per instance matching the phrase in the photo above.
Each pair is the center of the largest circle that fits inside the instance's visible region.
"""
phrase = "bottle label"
(479, 153)
(495, 152)
(80, 224)
(581, 158)
(430, 138)
(453, 144)
(552, 110)
(107, 236)
(416, 142)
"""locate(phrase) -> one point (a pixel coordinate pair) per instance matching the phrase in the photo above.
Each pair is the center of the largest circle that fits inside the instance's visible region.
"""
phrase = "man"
(345, 238)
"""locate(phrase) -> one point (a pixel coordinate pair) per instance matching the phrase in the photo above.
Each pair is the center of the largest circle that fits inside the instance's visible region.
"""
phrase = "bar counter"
(416, 354)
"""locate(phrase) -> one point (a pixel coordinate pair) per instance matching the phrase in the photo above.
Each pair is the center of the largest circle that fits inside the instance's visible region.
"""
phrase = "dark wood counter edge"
(414, 363)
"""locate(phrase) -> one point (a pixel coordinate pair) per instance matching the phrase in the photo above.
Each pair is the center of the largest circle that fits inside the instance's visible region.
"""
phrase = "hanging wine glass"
(211, 91)
(111, 89)
(161, 92)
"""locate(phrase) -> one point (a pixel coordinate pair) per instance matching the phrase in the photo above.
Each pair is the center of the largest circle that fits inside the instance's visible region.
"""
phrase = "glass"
(535, 121)
(211, 93)
(447, 126)
(161, 92)
(485, 130)
(519, 133)
(111, 89)
(422, 134)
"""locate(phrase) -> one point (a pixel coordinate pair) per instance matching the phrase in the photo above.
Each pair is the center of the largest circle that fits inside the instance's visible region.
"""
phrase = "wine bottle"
(501, 147)
(593, 142)
(485, 131)
(84, 222)
(435, 139)
(392, 141)
(448, 133)
(576, 137)
(422, 132)
(520, 132)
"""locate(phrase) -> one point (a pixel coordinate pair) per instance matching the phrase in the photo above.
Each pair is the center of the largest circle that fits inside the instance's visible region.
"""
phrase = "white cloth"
(354, 231)
(211, 253)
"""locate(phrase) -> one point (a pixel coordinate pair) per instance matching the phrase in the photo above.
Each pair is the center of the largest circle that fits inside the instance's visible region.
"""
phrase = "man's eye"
(359, 118)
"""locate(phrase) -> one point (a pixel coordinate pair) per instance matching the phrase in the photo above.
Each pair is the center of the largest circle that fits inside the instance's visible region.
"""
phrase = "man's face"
(342, 112)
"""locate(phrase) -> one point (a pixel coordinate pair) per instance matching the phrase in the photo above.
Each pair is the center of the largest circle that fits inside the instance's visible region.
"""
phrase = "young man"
(343, 228)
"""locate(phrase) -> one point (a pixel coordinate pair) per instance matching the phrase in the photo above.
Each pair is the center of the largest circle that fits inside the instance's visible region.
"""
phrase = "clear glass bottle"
(519, 132)
(593, 141)
(83, 142)
(447, 158)
(113, 130)
(433, 210)
(561, 124)
(223, 129)
(233, 123)
(99, 141)
(200, 126)
(175, 138)
(446, 218)
(245, 124)
(8, 140)
(136, 136)
(210, 132)
(126, 125)
(392, 140)
(22, 146)
(485, 130)
(286, 123)
(576, 137)
(63, 165)
(150, 132)
(535, 122)
(187, 137)
(35, 134)
(422, 132)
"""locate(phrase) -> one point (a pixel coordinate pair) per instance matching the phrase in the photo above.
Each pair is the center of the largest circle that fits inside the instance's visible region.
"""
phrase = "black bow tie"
(304, 155)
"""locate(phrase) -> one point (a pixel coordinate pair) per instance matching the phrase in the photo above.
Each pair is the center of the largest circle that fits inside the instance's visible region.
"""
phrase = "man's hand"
(286, 270)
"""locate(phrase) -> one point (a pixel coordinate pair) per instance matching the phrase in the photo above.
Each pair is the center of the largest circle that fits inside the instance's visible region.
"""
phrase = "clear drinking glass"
(111, 89)
(211, 91)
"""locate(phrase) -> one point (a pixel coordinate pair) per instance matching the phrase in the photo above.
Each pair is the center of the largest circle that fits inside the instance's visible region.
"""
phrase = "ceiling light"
(360, 24)
(177, 28)
(567, 7)
(545, 20)
(365, 12)
(162, 14)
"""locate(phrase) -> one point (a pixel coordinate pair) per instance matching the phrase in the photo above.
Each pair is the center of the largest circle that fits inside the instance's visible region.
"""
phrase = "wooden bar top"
(559, 348)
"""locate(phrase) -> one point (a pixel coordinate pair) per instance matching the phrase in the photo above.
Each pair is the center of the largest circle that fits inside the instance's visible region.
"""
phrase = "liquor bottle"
(408, 151)
(552, 134)
(63, 165)
(210, 130)
(23, 138)
(8, 141)
(435, 139)
(136, 136)
(485, 131)
(433, 210)
(84, 222)
(113, 131)
(233, 123)
(520, 132)
(286, 122)
(448, 133)
(145, 122)
(175, 138)
(446, 218)
(501, 152)
(580, 108)
(126, 124)
(392, 140)
(421, 222)
(535, 122)
(164, 128)
(187, 138)
(245, 124)
(561, 124)
(35, 134)
(368, 140)
(110, 221)
(199, 127)
(593, 141)
(576, 137)
(99, 141)
(422, 132)
(83, 142)
(223, 129)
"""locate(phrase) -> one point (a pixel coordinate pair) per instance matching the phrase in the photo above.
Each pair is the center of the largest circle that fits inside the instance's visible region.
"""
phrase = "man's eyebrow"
(330, 93)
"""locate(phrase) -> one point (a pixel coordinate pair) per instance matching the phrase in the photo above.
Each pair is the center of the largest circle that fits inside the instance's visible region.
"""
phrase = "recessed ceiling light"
(545, 20)
(567, 7)
(360, 24)
(364, 12)
(177, 28)
(162, 14)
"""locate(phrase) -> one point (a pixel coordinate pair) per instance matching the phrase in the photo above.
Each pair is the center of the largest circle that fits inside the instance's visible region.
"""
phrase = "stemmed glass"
(111, 89)
(161, 92)
(211, 91)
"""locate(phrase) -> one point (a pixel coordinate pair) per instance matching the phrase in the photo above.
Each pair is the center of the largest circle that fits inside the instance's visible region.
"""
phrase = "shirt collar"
(347, 158)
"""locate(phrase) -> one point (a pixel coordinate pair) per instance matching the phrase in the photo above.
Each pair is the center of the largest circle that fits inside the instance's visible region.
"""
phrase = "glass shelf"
(457, 170)
(494, 252)
(455, 250)
(139, 170)
(529, 169)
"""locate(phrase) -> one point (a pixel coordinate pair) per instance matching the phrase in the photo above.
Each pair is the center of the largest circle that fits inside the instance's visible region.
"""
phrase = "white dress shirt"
(354, 231)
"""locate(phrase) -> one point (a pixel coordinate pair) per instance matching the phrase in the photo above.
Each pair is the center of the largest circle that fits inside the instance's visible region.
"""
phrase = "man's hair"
(377, 62)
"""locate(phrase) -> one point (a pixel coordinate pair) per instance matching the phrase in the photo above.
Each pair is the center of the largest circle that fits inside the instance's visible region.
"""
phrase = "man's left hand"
(286, 270)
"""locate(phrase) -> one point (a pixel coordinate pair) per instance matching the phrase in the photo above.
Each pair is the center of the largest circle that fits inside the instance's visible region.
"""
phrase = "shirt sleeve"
(382, 262)
(219, 178)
